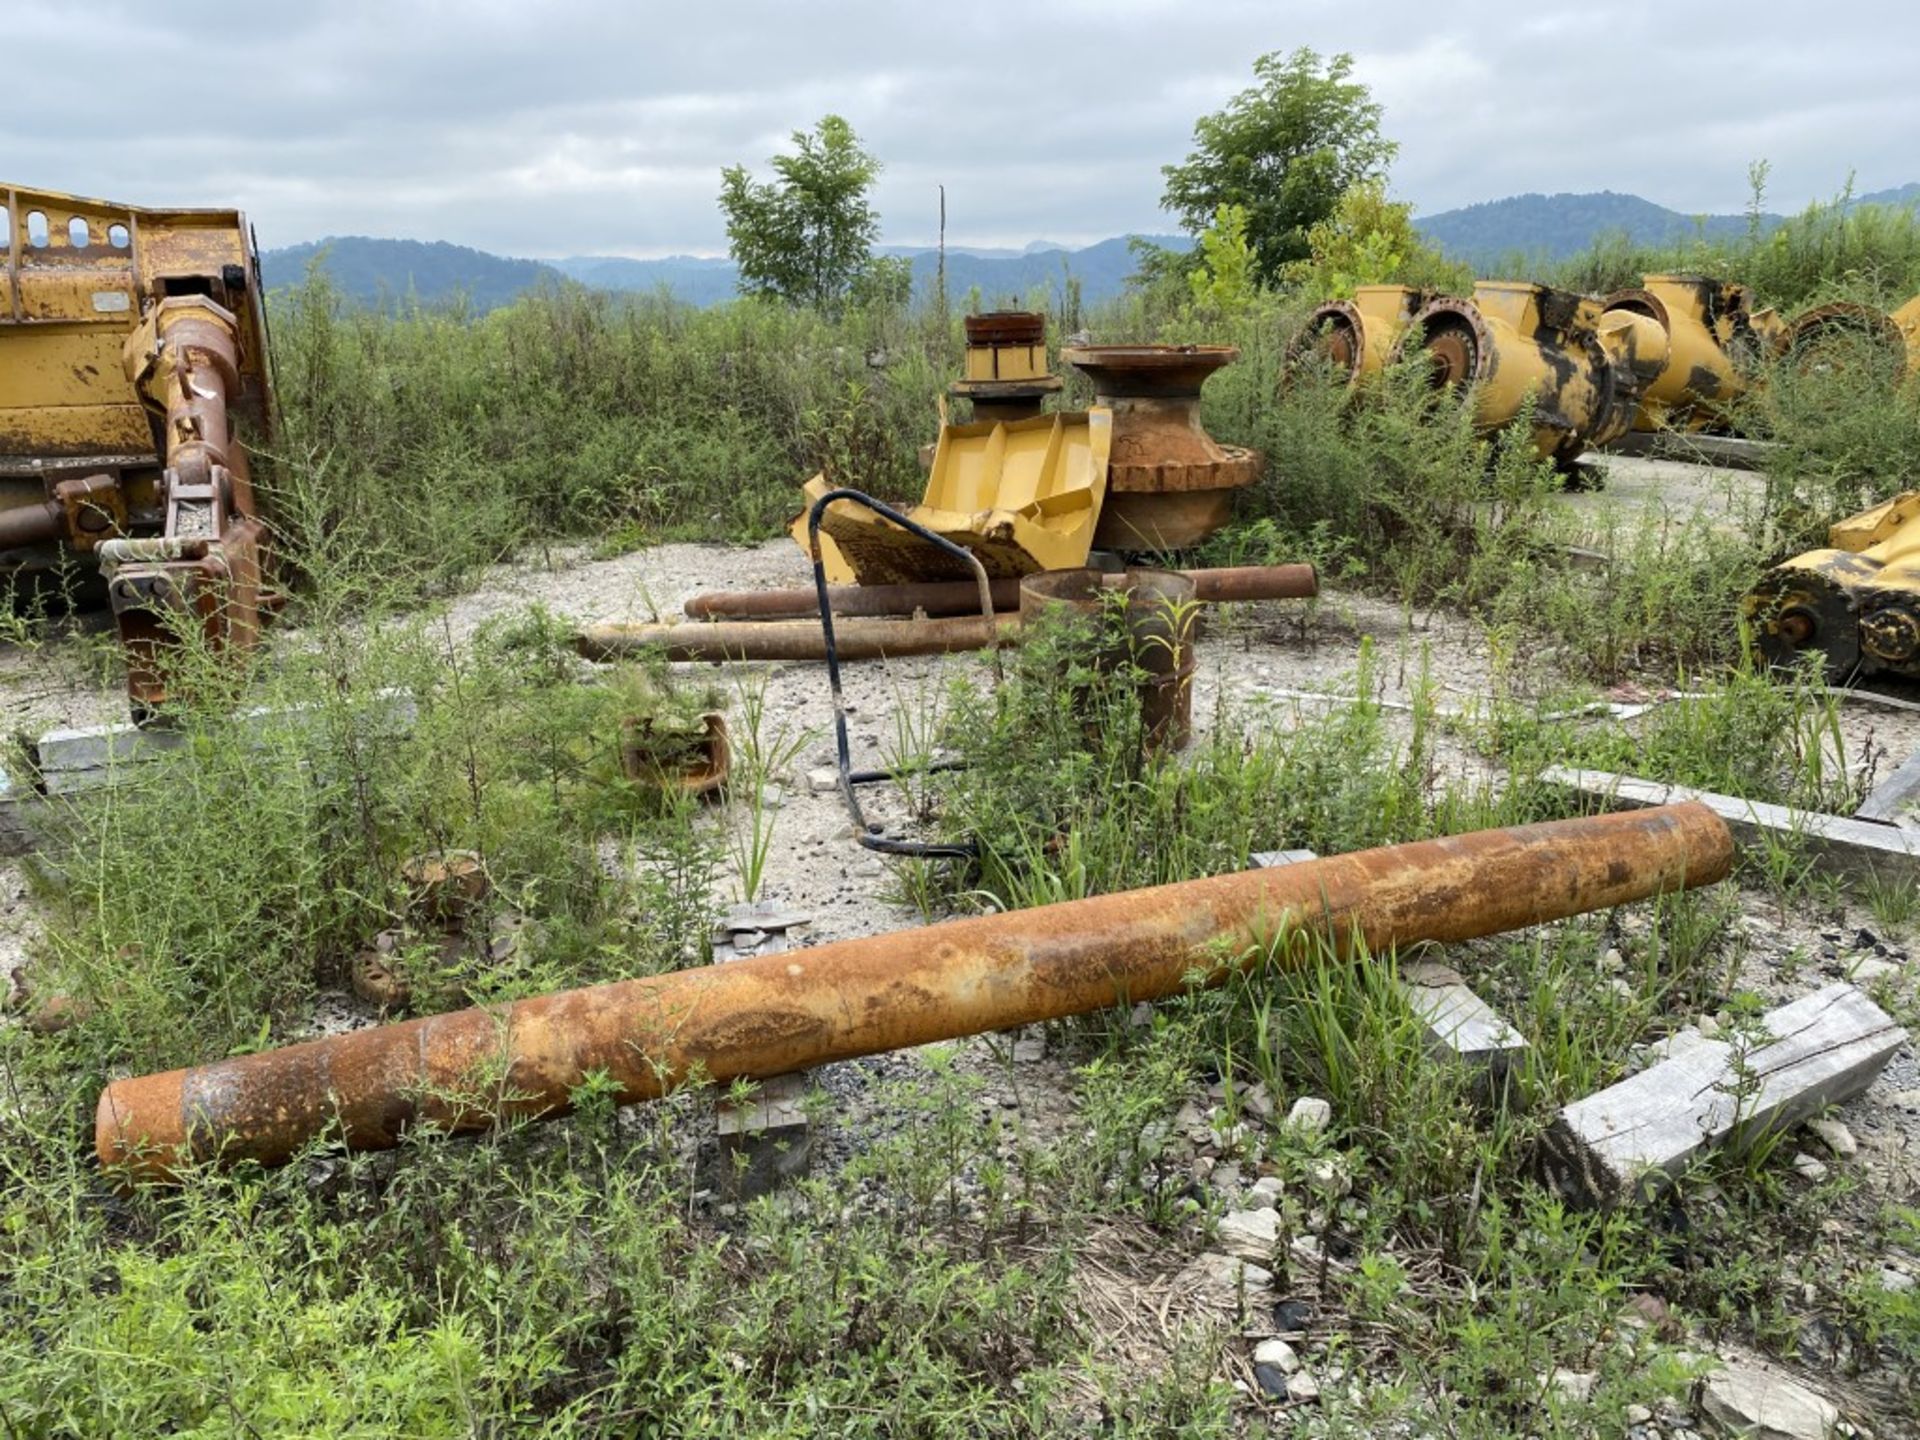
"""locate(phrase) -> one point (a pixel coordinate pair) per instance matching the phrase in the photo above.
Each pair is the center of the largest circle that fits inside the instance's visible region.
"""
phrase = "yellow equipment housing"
(1715, 341)
(1513, 340)
(1857, 603)
(1022, 495)
(1359, 336)
(130, 338)
(1907, 318)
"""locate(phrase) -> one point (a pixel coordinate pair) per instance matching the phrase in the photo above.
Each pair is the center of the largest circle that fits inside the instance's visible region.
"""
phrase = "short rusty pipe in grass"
(774, 1014)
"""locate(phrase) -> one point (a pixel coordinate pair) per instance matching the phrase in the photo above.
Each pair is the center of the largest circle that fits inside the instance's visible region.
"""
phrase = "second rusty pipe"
(798, 639)
(773, 1014)
(961, 597)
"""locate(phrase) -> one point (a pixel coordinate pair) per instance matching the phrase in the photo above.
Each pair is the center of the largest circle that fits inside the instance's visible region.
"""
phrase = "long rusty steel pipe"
(774, 1014)
(718, 640)
(962, 597)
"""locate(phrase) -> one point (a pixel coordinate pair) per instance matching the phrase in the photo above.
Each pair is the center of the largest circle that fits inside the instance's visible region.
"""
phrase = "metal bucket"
(1160, 615)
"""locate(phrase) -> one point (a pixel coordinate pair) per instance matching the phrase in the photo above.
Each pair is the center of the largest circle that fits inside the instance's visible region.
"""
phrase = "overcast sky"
(573, 127)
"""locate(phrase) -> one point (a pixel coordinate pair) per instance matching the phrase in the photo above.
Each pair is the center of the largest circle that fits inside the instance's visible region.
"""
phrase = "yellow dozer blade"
(1023, 495)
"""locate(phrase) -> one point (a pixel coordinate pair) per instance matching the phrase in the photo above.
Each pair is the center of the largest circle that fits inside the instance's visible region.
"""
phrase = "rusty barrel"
(1155, 632)
(774, 1014)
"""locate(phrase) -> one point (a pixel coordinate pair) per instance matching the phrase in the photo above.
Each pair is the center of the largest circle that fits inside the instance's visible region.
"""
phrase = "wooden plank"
(1727, 452)
(1460, 1025)
(1631, 1139)
(1267, 859)
(1836, 844)
(1888, 802)
(72, 759)
(764, 1140)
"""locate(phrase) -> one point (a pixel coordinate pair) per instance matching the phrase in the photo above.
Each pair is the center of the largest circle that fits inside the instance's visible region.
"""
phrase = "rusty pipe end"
(139, 1125)
(1706, 840)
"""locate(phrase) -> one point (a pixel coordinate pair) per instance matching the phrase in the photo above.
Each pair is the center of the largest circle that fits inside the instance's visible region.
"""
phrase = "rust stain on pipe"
(778, 1013)
(962, 597)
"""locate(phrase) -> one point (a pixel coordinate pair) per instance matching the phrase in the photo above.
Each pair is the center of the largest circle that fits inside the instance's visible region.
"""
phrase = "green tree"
(1370, 240)
(1285, 150)
(1223, 279)
(807, 236)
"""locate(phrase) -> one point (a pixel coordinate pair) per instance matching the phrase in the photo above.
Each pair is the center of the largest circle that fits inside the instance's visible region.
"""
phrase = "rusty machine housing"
(130, 341)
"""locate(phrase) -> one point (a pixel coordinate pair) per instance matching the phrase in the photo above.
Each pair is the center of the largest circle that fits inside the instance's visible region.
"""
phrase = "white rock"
(1224, 1279)
(1264, 1194)
(1250, 1234)
(1309, 1115)
(824, 779)
(1896, 1282)
(1809, 1168)
(1708, 1026)
(1756, 1404)
(1873, 968)
(1306, 1250)
(1278, 1354)
(1639, 1415)
(1329, 1177)
(1226, 1176)
(1575, 1385)
(1835, 1136)
(1613, 962)
(1302, 1388)
(1257, 1101)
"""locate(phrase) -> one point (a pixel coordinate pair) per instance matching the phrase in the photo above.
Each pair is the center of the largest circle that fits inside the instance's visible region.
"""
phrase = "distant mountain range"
(1516, 230)
(1553, 227)
(389, 272)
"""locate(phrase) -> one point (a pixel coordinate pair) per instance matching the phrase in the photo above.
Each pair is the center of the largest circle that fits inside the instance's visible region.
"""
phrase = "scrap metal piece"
(130, 340)
(1512, 341)
(1157, 619)
(1006, 375)
(1021, 495)
(1169, 483)
(1907, 318)
(1359, 336)
(771, 1014)
(1715, 343)
(1856, 603)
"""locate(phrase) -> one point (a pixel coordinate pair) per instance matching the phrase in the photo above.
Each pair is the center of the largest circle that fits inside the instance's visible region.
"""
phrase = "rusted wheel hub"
(1169, 483)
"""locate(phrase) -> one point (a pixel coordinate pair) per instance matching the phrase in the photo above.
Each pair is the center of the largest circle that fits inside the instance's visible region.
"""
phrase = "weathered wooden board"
(1460, 1025)
(763, 1140)
(1890, 800)
(1837, 844)
(1631, 1139)
(1728, 452)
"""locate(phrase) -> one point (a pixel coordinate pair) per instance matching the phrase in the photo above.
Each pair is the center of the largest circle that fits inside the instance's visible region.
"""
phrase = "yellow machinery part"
(1515, 340)
(131, 340)
(1358, 336)
(1715, 341)
(1022, 495)
(1907, 317)
(1855, 603)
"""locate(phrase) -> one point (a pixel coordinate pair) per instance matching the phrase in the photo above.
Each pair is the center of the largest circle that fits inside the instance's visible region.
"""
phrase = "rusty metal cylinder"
(774, 1014)
(722, 640)
(1229, 584)
(1157, 614)
(33, 524)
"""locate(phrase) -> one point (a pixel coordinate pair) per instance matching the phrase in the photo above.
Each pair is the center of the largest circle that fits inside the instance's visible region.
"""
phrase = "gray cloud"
(575, 127)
